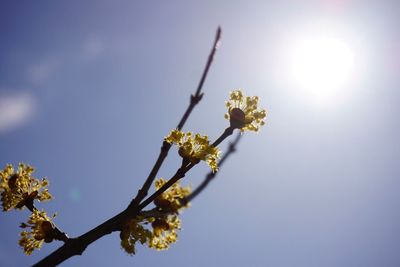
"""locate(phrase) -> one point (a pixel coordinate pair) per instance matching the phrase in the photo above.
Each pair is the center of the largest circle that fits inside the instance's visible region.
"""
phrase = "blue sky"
(89, 89)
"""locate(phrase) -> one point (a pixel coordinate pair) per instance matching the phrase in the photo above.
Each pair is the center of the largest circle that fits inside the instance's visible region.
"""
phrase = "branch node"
(194, 99)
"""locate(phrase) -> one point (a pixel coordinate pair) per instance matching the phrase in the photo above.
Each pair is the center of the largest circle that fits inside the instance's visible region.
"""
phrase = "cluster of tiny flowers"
(164, 232)
(164, 228)
(194, 147)
(41, 229)
(20, 188)
(243, 112)
(172, 199)
(133, 231)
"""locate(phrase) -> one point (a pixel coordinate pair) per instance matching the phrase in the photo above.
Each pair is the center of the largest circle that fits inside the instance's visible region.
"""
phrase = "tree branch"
(194, 100)
(76, 246)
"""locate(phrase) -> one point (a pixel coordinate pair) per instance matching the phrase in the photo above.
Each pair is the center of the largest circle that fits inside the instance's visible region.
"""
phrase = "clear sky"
(88, 90)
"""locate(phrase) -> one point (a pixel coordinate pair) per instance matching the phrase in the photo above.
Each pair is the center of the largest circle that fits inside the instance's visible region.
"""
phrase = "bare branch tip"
(219, 31)
(218, 37)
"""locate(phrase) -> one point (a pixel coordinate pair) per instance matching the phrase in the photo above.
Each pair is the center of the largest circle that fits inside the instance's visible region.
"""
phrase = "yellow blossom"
(164, 232)
(243, 112)
(165, 228)
(171, 200)
(41, 229)
(175, 137)
(164, 222)
(194, 147)
(19, 188)
(132, 232)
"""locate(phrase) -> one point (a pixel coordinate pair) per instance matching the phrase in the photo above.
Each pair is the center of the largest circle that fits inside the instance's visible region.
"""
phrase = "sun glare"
(321, 66)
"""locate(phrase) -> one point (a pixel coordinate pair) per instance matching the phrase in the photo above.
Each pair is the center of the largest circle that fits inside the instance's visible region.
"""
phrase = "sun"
(321, 66)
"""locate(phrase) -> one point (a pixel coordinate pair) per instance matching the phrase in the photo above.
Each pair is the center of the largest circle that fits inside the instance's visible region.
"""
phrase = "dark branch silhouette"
(76, 246)
(194, 100)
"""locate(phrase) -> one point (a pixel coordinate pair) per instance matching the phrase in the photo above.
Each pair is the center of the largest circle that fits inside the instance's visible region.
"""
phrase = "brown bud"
(181, 152)
(237, 118)
(160, 224)
(47, 228)
(162, 203)
(12, 180)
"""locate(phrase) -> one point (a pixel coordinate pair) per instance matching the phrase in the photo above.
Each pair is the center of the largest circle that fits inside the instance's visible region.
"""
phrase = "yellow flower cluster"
(164, 232)
(133, 232)
(171, 200)
(164, 227)
(243, 112)
(20, 188)
(194, 147)
(41, 229)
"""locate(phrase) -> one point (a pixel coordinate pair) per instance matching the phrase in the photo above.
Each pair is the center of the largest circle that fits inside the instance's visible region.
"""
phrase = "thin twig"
(194, 100)
(198, 95)
(211, 175)
(228, 131)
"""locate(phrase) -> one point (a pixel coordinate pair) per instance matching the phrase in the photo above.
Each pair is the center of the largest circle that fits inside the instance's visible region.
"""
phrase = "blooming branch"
(157, 227)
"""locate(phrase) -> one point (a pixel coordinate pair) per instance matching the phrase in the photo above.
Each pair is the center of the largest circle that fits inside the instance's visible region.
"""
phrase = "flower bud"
(12, 181)
(47, 228)
(162, 203)
(237, 118)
